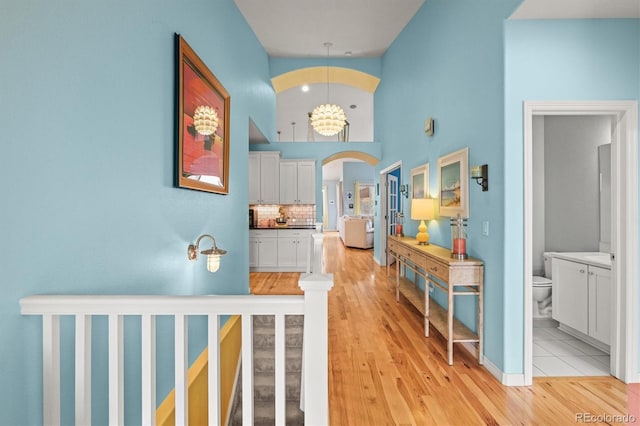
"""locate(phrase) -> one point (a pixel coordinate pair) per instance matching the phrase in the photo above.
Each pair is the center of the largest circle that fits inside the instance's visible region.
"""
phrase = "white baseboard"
(505, 379)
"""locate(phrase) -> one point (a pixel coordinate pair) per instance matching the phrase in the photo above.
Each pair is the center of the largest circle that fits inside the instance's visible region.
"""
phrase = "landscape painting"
(453, 188)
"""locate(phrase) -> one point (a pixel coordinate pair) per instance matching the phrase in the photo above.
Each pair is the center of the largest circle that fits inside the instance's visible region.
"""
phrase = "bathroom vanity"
(581, 296)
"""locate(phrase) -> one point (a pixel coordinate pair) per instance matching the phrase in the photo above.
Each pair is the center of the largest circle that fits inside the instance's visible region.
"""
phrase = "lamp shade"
(422, 209)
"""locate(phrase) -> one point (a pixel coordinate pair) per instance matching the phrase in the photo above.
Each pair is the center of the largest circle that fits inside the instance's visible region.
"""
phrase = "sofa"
(356, 231)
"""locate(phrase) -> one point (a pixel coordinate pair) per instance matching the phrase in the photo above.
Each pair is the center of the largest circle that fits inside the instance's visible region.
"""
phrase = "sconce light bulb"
(213, 262)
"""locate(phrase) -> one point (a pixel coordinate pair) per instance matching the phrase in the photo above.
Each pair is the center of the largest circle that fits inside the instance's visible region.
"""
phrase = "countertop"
(284, 227)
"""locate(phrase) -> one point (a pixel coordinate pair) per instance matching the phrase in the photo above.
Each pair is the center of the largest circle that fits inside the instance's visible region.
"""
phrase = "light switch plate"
(485, 228)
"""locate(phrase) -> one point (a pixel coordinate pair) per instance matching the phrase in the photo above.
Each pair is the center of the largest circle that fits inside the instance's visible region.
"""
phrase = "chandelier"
(328, 119)
(205, 120)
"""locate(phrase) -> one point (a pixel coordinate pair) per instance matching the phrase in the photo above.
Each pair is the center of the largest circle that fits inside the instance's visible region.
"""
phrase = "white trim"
(503, 378)
(624, 345)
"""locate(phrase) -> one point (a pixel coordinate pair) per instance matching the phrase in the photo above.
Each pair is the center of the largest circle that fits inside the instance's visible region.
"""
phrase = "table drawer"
(393, 246)
(415, 257)
(438, 269)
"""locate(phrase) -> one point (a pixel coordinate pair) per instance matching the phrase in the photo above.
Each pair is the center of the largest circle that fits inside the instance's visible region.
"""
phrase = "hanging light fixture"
(205, 120)
(328, 119)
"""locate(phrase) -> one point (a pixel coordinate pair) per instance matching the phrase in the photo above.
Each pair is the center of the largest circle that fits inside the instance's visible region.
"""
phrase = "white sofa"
(356, 231)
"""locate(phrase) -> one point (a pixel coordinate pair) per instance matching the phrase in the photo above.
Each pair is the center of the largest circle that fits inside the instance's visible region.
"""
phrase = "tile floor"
(555, 353)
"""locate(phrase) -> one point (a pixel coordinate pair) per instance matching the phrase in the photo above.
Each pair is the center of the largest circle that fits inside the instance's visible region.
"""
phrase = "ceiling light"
(328, 119)
(305, 88)
(205, 120)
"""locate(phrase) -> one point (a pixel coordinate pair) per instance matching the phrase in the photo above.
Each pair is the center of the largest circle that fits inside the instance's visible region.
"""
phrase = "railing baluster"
(116, 370)
(214, 369)
(83, 369)
(280, 370)
(148, 370)
(181, 366)
(51, 369)
(247, 369)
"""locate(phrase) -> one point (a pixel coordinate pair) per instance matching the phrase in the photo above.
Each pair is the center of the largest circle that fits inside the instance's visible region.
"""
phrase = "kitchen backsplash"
(301, 214)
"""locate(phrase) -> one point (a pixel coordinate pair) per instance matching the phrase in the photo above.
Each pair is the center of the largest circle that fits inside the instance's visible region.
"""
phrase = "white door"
(392, 204)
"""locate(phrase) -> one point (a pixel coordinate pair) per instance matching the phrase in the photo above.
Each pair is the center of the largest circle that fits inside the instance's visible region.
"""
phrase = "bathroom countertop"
(602, 260)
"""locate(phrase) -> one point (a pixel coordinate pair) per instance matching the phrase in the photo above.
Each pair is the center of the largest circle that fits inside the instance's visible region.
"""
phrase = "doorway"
(624, 226)
(388, 193)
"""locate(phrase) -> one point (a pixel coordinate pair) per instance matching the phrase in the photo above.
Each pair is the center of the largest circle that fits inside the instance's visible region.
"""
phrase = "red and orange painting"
(203, 119)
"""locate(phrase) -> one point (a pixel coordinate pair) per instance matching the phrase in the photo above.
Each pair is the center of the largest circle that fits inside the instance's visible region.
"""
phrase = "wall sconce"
(404, 190)
(213, 254)
(481, 176)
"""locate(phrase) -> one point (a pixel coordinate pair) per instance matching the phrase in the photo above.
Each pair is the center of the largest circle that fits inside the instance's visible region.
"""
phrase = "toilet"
(542, 291)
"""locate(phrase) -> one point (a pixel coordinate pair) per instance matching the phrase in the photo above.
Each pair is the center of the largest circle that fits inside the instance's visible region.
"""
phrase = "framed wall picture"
(202, 124)
(420, 181)
(453, 184)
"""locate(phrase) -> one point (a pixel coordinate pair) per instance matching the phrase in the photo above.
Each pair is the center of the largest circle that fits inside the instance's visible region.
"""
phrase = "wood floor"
(383, 371)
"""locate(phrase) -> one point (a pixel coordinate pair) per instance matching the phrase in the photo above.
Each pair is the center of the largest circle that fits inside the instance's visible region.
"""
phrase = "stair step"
(269, 320)
(263, 360)
(264, 414)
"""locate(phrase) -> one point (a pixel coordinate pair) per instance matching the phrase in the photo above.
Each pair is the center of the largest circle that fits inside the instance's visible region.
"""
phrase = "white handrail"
(313, 305)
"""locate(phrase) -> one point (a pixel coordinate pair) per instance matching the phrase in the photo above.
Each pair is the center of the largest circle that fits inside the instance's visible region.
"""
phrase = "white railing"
(313, 305)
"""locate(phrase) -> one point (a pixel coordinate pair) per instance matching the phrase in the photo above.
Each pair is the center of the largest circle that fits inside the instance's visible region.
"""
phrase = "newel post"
(316, 347)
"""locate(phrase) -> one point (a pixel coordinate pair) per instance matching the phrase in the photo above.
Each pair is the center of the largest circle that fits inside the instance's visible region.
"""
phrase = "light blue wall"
(448, 64)
(87, 164)
(554, 60)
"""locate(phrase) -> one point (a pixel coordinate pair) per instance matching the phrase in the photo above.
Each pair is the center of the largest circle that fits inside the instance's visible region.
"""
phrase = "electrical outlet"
(485, 228)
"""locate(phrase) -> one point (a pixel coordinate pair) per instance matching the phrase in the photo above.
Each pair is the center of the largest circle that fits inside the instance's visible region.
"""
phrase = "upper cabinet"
(264, 177)
(297, 182)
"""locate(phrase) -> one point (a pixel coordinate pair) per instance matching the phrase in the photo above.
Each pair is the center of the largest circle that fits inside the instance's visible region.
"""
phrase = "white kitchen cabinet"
(297, 182)
(292, 249)
(264, 177)
(581, 297)
(263, 249)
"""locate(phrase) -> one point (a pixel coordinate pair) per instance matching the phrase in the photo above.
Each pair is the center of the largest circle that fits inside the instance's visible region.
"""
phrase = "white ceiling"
(299, 28)
(577, 9)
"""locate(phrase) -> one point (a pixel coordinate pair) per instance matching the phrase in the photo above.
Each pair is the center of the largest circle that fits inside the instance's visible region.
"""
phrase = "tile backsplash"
(302, 214)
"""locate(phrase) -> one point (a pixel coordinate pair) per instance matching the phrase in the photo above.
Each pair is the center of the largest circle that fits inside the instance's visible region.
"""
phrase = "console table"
(453, 277)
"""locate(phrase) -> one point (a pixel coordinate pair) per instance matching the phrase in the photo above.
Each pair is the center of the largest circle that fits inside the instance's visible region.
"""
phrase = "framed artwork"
(420, 181)
(202, 124)
(453, 184)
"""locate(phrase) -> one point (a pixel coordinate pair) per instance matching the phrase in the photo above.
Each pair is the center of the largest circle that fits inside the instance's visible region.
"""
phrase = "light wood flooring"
(383, 371)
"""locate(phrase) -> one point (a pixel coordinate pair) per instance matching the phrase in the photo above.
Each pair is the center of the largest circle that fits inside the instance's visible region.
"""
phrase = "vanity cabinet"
(292, 249)
(264, 177)
(581, 298)
(263, 249)
(297, 182)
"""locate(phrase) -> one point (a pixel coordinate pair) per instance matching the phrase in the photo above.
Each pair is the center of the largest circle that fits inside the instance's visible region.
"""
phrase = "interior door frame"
(382, 225)
(624, 236)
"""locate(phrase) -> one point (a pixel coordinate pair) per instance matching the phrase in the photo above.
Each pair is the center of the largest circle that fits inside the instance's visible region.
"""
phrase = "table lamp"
(422, 209)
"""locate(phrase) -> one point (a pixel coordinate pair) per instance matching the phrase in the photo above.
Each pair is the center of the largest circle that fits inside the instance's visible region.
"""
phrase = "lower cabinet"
(581, 297)
(281, 250)
(292, 248)
(263, 249)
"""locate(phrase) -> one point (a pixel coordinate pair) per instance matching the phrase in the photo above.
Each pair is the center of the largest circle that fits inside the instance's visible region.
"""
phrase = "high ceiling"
(366, 28)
